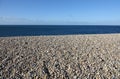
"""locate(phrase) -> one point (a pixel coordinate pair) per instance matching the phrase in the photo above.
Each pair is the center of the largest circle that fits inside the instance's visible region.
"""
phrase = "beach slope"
(60, 57)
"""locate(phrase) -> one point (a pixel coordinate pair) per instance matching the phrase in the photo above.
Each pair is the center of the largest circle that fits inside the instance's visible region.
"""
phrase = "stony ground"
(60, 57)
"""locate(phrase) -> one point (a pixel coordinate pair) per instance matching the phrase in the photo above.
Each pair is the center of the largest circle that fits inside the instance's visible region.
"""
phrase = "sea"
(39, 30)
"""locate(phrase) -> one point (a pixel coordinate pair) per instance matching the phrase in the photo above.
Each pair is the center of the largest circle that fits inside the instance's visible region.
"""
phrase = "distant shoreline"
(62, 35)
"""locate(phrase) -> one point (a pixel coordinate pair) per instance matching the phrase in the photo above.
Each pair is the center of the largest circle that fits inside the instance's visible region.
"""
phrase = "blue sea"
(38, 30)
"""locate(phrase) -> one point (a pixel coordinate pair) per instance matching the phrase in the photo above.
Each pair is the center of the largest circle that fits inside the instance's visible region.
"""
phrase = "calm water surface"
(37, 30)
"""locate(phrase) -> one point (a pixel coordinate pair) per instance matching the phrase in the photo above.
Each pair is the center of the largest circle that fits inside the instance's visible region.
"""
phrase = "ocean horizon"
(38, 30)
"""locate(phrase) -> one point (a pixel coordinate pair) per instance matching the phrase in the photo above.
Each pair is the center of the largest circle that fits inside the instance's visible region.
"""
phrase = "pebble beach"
(94, 56)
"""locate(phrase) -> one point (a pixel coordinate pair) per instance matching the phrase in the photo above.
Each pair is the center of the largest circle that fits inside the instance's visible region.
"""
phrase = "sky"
(60, 12)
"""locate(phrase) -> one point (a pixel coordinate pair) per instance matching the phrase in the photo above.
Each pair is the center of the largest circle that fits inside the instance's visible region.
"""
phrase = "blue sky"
(59, 11)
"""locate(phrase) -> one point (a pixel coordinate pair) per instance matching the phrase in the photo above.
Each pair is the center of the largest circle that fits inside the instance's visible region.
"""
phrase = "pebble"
(56, 57)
